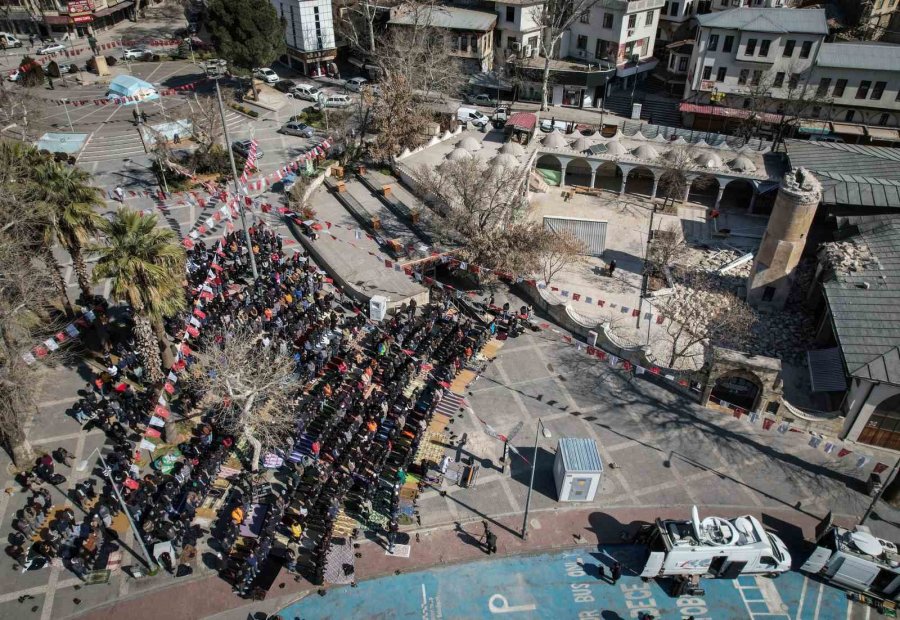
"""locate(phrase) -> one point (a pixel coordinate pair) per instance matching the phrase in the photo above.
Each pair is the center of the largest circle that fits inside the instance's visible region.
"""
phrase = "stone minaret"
(782, 244)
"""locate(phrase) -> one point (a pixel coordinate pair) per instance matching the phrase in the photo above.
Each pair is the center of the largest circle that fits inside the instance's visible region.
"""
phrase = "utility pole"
(237, 187)
(137, 534)
(68, 118)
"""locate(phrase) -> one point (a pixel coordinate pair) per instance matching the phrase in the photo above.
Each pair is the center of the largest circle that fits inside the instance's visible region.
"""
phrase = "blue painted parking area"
(566, 585)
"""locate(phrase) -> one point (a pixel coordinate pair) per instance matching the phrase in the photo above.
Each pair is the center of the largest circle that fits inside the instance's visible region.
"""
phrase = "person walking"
(612, 267)
(134, 114)
(120, 194)
(616, 572)
(143, 116)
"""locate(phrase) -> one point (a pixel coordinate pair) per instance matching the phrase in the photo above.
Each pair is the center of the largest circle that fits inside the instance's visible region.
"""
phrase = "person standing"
(612, 267)
(134, 114)
(616, 572)
(120, 194)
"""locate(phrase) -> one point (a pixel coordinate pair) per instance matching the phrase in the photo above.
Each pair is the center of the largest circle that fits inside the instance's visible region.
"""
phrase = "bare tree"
(555, 17)
(667, 247)
(356, 22)
(254, 386)
(16, 110)
(206, 122)
(679, 172)
(559, 251)
(699, 315)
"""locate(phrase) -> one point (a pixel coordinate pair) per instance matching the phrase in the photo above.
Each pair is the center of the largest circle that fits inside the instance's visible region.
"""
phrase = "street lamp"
(68, 118)
(635, 58)
(540, 430)
(237, 187)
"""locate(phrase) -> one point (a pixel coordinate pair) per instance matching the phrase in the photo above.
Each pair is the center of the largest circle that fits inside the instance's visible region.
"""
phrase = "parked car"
(305, 91)
(284, 86)
(294, 128)
(9, 40)
(473, 116)
(52, 48)
(65, 68)
(136, 53)
(356, 84)
(15, 76)
(242, 148)
(337, 101)
(480, 99)
(215, 67)
(266, 75)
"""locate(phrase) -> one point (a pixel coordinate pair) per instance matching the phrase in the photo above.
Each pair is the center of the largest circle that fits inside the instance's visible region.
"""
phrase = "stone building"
(738, 379)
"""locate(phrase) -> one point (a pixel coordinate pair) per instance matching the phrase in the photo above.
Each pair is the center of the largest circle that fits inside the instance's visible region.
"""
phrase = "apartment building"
(782, 52)
(308, 33)
(54, 18)
(608, 47)
(468, 35)
(518, 29)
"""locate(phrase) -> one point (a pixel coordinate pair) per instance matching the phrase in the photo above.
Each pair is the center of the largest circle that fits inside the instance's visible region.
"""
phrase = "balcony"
(574, 65)
(630, 6)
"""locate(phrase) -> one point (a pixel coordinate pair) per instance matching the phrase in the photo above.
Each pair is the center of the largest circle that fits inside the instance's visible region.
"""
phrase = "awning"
(56, 20)
(522, 121)
(641, 67)
(113, 9)
(715, 110)
(819, 129)
(883, 133)
(826, 370)
(848, 129)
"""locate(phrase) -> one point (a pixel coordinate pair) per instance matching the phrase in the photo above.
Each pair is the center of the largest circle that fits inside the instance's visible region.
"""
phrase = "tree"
(206, 123)
(699, 315)
(679, 172)
(357, 22)
(247, 33)
(555, 17)
(16, 111)
(252, 387)
(71, 220)
(146, 266)
(560, 250)
(667, 247)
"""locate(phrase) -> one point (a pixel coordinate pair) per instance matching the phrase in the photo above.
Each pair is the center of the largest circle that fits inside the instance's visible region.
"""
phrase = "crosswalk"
(111, 147)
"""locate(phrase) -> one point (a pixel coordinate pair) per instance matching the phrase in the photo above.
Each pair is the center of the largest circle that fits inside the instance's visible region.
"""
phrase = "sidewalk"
(558, 528)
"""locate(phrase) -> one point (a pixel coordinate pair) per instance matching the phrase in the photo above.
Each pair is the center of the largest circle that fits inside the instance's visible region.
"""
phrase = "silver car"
(297, 129)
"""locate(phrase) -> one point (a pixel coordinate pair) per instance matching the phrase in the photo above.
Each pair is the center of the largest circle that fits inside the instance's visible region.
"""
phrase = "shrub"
(111, 60)
(155, 57)
(60, 156)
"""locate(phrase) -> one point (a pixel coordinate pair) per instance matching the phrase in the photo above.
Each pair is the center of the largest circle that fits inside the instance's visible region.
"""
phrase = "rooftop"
(810, 21)
(864, 299)
(860, 55)
(443, 17)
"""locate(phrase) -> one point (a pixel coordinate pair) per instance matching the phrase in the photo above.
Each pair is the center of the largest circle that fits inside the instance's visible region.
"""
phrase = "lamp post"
(635, 58)
(540, 430)
(68, 118)
(237, 187)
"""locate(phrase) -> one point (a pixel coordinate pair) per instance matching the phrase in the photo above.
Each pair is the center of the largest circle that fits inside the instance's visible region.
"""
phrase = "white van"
(337, 101)
(473, 116)
(305, 91)
(9, 40)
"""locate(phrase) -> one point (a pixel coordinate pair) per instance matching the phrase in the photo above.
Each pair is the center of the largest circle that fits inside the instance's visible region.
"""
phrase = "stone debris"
(846, 257)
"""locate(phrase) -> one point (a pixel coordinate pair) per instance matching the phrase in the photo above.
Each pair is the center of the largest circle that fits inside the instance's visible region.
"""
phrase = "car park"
(52, 48)
(284, 86)
(266, 74)
(356, 84)
(305, 91)
(294, 128)
(242, 148)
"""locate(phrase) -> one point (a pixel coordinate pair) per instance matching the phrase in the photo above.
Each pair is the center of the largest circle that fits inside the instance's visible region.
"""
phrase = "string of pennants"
(69, 333)
(166, 92)
(78, 51)
(250, 163)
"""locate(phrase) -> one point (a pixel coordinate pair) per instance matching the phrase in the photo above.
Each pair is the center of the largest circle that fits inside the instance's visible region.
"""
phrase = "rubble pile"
(846, 257)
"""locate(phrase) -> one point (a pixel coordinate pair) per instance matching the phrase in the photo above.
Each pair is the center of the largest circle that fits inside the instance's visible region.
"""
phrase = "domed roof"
(459, 154)
(708, 160)
(581, 144)
(614, 147)
(742, 163)
(512, 148)
(555, 140)
(469, 143)
(505, 160)
(645, 151)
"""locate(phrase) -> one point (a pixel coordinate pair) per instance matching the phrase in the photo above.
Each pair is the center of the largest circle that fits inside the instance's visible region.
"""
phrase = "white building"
(308, 32)
(518, 31)
(608, 47)
(785, 50)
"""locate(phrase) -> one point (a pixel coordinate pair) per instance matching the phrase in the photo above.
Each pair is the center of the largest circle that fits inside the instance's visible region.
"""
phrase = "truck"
(714, 547)
(857, 561)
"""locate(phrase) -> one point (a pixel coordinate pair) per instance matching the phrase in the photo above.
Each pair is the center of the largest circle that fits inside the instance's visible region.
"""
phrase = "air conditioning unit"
(527, 51)
(516, 46)
(532, 51)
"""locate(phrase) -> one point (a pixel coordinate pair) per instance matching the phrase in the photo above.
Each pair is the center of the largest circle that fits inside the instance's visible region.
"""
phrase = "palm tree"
(70, 201)
(146, 266)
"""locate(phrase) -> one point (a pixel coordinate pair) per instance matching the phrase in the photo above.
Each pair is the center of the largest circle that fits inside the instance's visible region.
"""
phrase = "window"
(665, 9)
(533, 42)
(632, 21)
(764, 47)
(779, 79)
(585, 17)
(673, 10)
(878, 91)
(682, 63)
(863, 91)
(849, 115)
(883, 119)
(824, 85)
(757, 75)
(671, 62)
(742, 76)
(607, 20)
(793, 80)
(713, 42)
(707, 73)
(582, 42)
(751, 47)
(789, 48)
(649, 20)
(721, 72)
(729, 43)
(839, 87)
(805, 49)
(510, 13)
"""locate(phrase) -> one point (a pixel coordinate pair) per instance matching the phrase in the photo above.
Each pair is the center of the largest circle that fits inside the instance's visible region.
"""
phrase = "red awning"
(523, 121)
(715, 110)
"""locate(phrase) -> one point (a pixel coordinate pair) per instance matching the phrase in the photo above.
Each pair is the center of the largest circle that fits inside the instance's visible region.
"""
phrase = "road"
(566, 585)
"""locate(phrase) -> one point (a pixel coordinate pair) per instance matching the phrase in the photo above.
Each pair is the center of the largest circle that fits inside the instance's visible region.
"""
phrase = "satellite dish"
(866, 543)
(695, 521)
(744, 526)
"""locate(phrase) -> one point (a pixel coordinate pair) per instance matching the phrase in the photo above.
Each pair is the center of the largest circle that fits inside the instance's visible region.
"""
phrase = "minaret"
(782, 244)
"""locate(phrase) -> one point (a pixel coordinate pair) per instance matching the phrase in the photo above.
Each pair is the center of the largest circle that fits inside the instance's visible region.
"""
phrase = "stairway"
(111, 147)
(662, 110)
